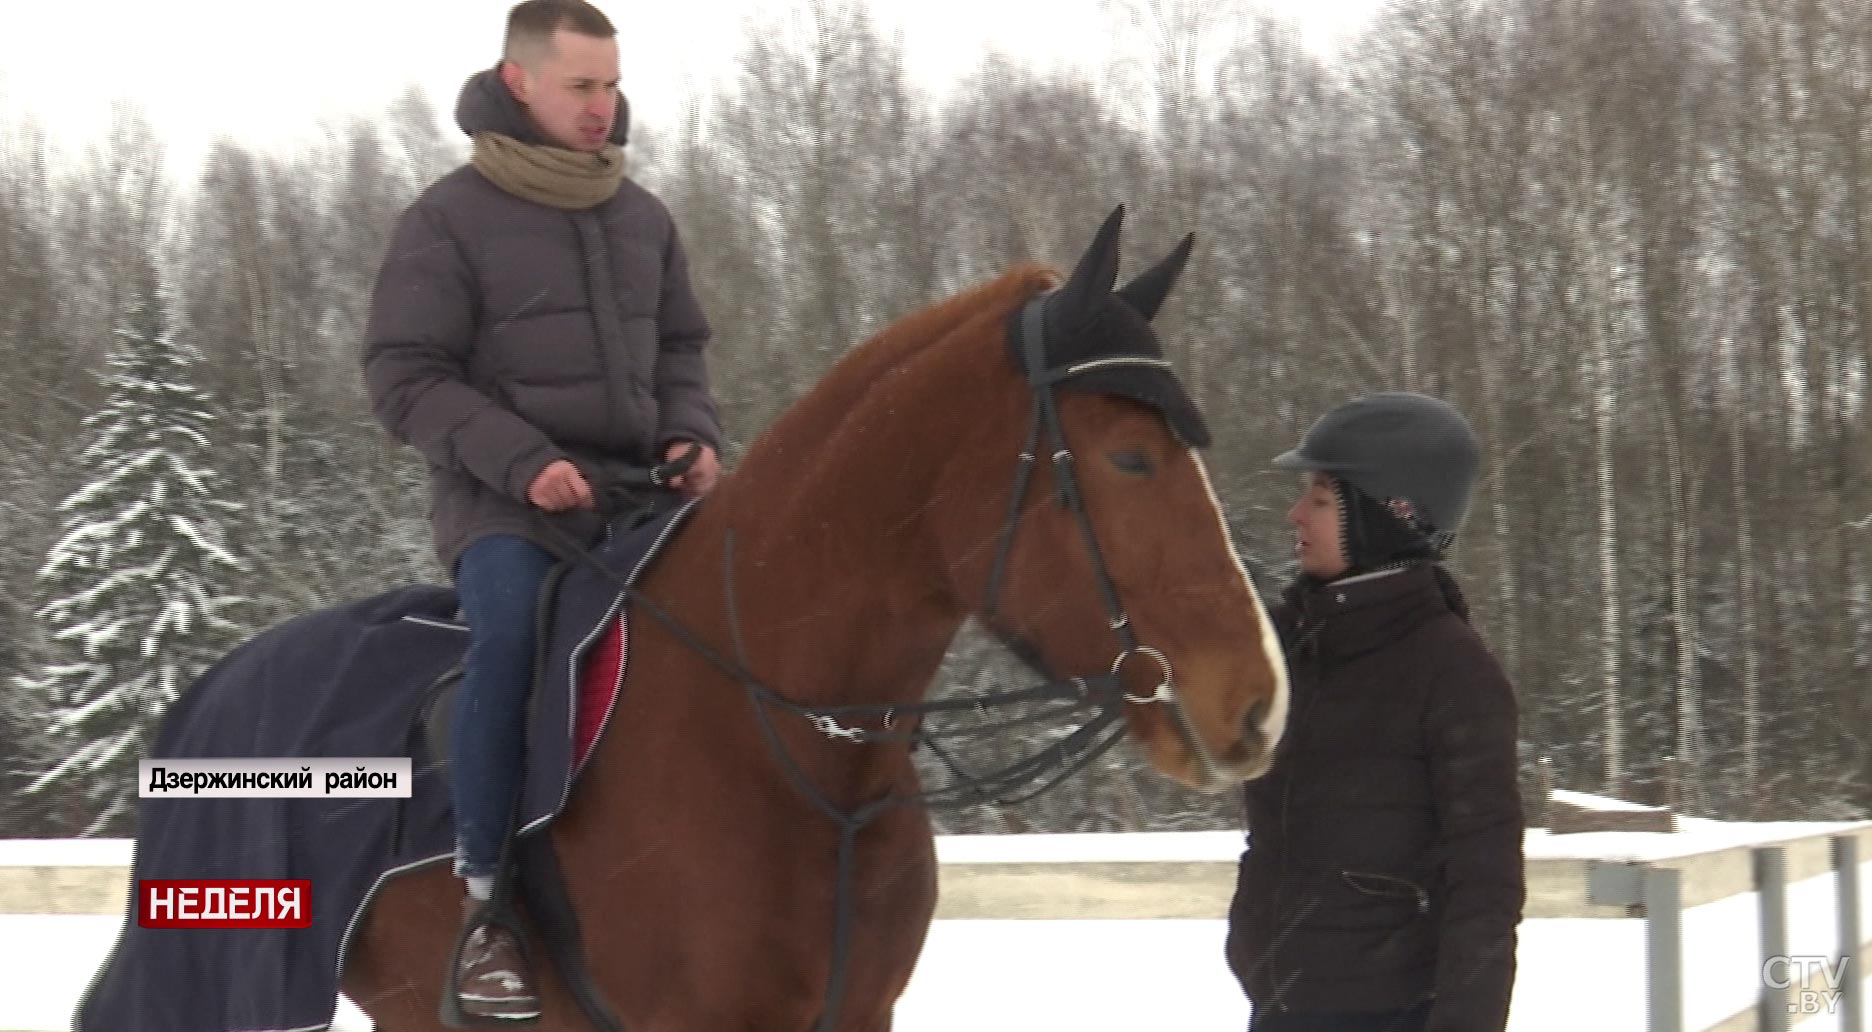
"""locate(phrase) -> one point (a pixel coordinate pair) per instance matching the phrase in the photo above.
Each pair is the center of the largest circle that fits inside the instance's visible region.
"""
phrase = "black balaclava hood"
(1374, 537)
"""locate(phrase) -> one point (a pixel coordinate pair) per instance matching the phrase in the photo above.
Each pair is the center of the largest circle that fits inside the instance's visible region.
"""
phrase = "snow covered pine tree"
(133, 604)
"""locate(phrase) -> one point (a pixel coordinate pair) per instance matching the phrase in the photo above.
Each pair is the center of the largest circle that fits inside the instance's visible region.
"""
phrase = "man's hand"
(560, 487)
(701, 478)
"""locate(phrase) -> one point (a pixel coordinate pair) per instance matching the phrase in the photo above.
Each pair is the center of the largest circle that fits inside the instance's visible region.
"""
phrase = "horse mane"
(854, 373)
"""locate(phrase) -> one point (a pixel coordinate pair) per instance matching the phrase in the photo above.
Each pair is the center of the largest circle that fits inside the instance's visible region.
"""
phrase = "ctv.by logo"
(1798, 977)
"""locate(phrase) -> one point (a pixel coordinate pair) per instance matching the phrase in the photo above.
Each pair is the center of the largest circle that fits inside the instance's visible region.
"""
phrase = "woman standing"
(1383, 879)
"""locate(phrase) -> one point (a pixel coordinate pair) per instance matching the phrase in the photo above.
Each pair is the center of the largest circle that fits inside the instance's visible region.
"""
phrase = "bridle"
(1043, 382)
(866, 723)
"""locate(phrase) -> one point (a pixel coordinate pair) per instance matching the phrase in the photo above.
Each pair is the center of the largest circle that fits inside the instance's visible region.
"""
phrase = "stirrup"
(493, 913)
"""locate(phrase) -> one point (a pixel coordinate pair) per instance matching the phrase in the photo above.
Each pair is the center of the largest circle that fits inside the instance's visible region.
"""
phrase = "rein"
(850, 723)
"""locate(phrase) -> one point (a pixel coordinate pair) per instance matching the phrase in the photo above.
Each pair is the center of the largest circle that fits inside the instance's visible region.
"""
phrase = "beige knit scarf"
(553, 176)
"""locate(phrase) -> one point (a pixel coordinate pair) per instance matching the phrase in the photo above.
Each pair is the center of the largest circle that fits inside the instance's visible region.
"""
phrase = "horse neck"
(843, 593)
(840, 593)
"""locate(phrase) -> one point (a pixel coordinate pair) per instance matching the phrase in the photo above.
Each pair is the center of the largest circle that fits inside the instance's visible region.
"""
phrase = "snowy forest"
(1631, 239)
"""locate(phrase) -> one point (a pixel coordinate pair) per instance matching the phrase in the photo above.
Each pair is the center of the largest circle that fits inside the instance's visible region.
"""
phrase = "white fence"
(1651, 880)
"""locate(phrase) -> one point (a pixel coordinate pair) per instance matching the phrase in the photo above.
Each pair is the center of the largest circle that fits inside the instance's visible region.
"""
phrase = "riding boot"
(493, 976)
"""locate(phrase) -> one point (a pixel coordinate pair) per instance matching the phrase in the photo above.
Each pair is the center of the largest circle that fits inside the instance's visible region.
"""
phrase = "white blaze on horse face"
(1276, 719)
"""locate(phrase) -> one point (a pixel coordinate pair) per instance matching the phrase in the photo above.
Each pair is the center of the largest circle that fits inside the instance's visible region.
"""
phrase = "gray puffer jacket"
(505, 334)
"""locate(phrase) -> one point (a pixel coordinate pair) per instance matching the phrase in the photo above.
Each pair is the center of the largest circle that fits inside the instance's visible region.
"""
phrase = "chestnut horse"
(869, 521)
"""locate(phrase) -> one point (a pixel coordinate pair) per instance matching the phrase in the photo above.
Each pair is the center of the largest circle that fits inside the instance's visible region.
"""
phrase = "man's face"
(571, 91)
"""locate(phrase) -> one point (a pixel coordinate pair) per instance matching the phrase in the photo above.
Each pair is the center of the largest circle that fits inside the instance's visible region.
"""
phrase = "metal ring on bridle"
(1162, 693)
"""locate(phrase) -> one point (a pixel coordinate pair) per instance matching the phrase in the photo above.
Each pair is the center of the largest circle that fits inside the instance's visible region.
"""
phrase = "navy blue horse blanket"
(340, 682)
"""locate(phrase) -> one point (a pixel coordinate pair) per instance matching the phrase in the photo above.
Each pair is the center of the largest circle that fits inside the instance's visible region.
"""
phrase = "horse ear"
(1093, 277)
(1146, 293)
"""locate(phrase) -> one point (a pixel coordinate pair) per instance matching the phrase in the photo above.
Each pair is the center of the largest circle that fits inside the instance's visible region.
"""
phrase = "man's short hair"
(531, 24)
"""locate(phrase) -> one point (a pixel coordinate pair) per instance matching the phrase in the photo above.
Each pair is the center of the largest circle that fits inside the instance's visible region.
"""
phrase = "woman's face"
(1315, 517)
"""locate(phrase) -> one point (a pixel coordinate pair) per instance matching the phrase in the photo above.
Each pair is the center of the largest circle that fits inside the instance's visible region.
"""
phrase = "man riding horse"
(531, 330)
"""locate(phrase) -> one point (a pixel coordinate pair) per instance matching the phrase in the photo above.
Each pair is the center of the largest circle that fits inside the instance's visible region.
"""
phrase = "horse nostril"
(1248, 758)
(1257, 713)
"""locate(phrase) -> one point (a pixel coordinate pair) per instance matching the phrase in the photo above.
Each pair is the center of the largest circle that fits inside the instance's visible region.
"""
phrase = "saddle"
(434, 714)
(532, 866)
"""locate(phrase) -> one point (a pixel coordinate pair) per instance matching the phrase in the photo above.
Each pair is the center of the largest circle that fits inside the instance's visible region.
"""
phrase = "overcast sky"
(264, 73)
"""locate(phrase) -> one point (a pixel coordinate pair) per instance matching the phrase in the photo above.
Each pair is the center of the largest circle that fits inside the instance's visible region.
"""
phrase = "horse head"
(1105, 549)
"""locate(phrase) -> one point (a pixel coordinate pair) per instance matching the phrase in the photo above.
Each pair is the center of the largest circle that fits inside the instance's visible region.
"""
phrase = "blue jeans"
(498, 579)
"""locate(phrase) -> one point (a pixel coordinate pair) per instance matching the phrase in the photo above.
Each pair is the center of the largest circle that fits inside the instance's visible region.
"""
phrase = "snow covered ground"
(1094, 976)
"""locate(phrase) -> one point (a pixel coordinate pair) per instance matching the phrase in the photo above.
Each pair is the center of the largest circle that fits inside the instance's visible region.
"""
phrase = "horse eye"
(1131, 462)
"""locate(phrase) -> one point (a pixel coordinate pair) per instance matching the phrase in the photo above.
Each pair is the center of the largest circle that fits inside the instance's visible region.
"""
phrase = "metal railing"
(1658, 891)
(1186, 876)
